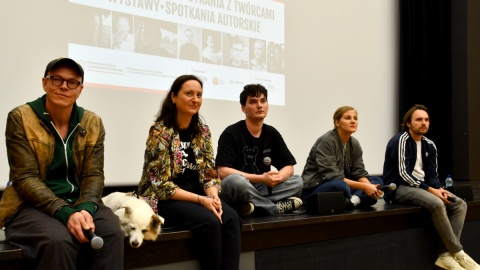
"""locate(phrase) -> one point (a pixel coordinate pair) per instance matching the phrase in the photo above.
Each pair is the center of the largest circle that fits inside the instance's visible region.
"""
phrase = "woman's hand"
(214, 204)
(373, 191)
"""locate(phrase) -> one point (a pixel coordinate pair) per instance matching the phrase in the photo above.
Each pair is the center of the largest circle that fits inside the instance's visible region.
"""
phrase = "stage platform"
(384, 233)
(380, 237)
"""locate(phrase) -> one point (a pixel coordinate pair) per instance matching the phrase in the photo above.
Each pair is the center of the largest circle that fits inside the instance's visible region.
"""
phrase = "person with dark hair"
(275, 58)
(335, 163)
(55, 152)
(411, 163)
(188, 50)
(179, 179)
(246, 150)
(236, 53)
(150, 39)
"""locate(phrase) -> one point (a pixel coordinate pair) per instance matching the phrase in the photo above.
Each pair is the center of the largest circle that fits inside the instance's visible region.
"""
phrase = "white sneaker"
(447, 261)
(466, 262)
(288, 205)
(246, 209)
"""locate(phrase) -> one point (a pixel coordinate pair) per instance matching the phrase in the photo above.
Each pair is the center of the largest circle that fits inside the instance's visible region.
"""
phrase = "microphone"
(95, 241)
(391, 186)
(452, 199)
(268, 161)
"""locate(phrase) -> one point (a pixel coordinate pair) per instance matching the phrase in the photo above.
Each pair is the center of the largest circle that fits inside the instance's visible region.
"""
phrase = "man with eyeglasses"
(236, 51)
(55, 152)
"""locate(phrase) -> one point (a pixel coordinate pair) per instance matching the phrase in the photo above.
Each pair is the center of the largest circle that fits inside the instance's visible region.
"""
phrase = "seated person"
(246, 150)
(180, 182)
(411, 163)
(335, 163)
(55, 152)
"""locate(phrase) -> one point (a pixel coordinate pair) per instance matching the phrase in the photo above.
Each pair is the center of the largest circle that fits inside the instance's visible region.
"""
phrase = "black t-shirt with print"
(188, 179)
(238, 149)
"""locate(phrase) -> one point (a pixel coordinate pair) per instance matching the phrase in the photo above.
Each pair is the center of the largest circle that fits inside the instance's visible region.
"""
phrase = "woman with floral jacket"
(179, 179)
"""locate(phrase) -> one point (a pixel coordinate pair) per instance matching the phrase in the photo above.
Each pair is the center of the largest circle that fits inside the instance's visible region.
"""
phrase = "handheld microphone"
(452, 199)
(391, 186)
(268, 161)
(95, 241)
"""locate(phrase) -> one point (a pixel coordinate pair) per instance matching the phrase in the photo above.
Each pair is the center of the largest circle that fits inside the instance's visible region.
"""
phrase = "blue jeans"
(237, 190)
(340, 185)
(448, 219)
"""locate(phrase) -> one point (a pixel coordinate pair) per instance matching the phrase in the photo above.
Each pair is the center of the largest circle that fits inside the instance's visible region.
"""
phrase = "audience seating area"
(381, 237)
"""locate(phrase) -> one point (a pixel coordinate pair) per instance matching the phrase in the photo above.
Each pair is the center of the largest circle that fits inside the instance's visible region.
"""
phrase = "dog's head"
(139, 225)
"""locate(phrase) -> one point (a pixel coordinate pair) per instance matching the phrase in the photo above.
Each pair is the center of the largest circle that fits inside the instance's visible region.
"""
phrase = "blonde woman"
(335, 163)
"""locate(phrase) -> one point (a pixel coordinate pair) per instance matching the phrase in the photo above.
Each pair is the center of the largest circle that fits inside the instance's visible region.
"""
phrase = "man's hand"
(440, 193)
(272, 178)
(79, 222)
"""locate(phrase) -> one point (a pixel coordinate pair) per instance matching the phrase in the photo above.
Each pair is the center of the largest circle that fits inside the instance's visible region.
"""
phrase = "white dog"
(137, 218)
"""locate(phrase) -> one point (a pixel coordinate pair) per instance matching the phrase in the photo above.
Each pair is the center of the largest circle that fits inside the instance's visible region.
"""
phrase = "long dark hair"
(168, 111)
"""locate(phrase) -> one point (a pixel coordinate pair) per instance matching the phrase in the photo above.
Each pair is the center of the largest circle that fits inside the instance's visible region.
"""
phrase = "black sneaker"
(288, 205)
(348, 204)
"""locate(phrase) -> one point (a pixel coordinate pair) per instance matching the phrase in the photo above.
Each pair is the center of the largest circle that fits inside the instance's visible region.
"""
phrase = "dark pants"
(340, 185)
(217, 245)
(48, 244)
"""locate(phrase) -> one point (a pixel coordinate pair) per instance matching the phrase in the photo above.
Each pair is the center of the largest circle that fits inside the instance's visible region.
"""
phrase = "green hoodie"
(60, 177)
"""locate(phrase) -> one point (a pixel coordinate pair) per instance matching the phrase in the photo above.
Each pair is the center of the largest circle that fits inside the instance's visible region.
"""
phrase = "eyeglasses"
(71, 84)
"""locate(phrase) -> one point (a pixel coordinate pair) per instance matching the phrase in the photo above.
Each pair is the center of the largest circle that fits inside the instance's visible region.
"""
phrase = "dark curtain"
(425, 69)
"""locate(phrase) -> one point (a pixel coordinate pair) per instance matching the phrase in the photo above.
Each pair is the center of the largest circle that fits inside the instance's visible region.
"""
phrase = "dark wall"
(439, 67)
(473, 47)
(425, 69)
(459, 27)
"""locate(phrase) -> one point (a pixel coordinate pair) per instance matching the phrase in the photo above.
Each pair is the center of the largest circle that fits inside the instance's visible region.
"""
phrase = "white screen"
(336, 53)
(128, 44)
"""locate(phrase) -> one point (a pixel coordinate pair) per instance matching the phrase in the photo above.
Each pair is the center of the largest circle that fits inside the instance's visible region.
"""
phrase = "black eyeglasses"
(71, 84)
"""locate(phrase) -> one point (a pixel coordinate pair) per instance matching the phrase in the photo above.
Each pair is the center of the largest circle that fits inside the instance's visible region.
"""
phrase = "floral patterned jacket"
(163, 163)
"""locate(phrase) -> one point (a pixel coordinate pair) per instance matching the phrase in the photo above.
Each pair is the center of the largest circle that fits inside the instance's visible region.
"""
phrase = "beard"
(420, 131)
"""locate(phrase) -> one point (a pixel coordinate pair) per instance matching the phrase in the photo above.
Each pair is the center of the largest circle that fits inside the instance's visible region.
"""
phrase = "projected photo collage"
(130, 49)
(126, 32)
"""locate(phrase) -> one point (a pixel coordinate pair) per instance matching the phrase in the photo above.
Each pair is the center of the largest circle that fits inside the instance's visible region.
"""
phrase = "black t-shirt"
(238, 149)
(188, 179)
